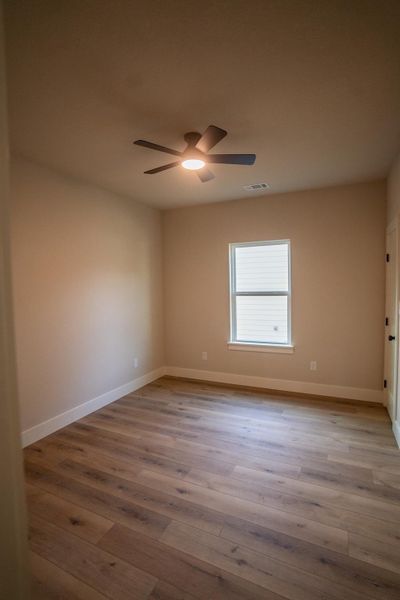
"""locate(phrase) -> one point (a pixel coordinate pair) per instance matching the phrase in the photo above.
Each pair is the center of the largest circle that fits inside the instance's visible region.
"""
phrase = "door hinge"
(387, 257)
(385, 383)
(387, 321)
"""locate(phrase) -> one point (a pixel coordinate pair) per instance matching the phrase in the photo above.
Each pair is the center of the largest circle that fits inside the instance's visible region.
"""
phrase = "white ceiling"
(311, 86)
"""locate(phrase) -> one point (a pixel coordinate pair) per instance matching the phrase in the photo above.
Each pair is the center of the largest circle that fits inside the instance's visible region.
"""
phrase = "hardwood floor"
(186, 491)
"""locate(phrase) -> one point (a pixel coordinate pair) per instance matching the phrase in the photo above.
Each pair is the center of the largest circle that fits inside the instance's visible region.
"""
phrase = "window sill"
(252, 347)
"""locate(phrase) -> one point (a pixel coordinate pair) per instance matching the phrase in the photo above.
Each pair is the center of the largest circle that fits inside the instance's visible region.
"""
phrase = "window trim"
(261, 347)
(234, 343)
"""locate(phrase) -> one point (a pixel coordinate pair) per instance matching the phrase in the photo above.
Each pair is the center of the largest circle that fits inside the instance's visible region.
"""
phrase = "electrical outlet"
(135, 363)
(313, 365)
(204, 356)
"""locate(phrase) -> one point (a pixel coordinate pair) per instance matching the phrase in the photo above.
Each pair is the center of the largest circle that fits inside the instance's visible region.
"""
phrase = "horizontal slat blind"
(262, 268)
(262, 319)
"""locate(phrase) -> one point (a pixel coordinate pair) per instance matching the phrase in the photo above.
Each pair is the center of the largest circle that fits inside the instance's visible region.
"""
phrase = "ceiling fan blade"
(157, 147)
(210, 138)
(163, 168)
(232, 159)
(205, 174)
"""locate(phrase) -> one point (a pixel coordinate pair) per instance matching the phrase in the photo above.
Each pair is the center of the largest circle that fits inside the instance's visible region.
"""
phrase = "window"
(260, 293)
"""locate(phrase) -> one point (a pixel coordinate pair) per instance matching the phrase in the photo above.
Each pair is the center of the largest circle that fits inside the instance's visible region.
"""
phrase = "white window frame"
(256, 346)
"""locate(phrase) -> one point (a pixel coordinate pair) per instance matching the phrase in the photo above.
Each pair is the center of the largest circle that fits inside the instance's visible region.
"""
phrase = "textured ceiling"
(312, 87)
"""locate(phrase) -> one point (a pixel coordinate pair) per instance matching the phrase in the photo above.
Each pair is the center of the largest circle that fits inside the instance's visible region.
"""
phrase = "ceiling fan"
(195, 157)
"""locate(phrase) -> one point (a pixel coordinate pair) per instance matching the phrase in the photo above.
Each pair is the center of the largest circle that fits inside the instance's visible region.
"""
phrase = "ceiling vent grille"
(256, 187)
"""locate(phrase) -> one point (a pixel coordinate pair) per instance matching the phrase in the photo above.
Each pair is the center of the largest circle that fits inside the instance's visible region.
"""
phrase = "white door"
(391, 332)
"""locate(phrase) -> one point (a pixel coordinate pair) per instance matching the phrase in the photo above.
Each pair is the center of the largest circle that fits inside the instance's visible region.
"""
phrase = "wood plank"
(112, 507)
(325, 495)
(386, 478)
(49, 582)
(254, 567)
(149, 499)
(216, 458)
(198, 424)
(259, 420)
(197, 577)
(359, 459)
(151, 456)
(109, 575)
(115, 446)
(221, 455)
(53, 450)
(376, 553)
(246, 429)
(71, 517)
(247, 454)
(250, 448)
(310, 502)
(338, 568)
(165, 591)
(381, 492)
(284, 522)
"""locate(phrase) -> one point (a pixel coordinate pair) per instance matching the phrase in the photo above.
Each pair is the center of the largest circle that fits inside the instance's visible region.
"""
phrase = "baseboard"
(29, 436)
(396, 431)
(283, 385)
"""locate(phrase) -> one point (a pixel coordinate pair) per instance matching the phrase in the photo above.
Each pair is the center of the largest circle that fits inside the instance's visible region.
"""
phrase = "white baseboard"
(283, 385)
(396, 431)
(29, 436)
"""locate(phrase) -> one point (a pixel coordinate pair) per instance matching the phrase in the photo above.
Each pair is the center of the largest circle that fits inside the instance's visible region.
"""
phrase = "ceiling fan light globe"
(193, 164)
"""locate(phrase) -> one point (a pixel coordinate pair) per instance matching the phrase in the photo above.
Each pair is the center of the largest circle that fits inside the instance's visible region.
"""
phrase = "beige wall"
(337, 236)
(13, 536)
(88, 290)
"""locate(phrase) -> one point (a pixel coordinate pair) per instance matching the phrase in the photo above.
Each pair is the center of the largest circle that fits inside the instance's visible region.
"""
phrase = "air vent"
(256, 187)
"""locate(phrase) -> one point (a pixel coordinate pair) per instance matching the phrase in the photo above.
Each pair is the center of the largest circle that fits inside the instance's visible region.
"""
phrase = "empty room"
(199, 300)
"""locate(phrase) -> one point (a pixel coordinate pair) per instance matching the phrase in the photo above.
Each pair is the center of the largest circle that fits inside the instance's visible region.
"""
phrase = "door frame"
(392, 228)
(14, 567)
